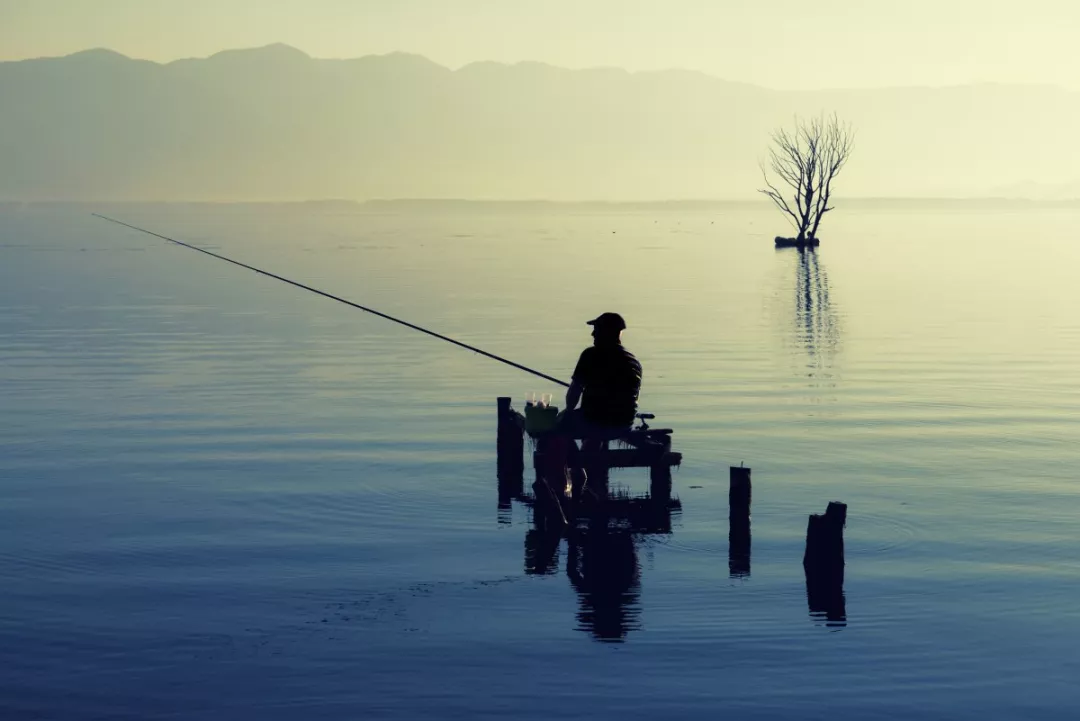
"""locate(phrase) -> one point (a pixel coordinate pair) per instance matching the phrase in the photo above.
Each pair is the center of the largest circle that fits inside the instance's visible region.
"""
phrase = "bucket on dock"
(539, 419)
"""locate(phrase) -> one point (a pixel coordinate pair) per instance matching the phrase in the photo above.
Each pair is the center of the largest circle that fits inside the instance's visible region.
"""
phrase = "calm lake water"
(224, 498)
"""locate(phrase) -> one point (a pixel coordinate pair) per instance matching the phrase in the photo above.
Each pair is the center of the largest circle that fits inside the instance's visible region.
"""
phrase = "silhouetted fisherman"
(606, 381)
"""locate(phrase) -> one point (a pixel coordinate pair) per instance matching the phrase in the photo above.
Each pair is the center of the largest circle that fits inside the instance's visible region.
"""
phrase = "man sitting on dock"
(607, 381)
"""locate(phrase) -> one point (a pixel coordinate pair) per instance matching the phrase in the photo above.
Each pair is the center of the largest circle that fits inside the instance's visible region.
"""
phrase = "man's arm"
(582, 372)
(573, 395)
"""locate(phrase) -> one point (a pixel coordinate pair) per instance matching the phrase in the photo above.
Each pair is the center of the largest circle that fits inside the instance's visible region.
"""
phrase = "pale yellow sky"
(790, 44)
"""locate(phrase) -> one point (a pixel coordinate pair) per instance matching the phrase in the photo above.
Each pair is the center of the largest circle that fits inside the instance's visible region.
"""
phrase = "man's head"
(607, 327)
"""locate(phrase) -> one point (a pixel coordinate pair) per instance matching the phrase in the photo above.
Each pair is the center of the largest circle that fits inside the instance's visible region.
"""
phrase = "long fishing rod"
(340, 300)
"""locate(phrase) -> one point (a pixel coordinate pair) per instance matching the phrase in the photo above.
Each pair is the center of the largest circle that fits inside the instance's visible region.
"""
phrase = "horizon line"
(1075, 200)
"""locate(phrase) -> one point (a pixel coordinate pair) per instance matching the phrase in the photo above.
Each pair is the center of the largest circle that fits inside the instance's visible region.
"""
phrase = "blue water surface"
(224, 498)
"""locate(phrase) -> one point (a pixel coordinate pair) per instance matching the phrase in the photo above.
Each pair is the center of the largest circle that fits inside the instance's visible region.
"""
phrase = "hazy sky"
(778, 43)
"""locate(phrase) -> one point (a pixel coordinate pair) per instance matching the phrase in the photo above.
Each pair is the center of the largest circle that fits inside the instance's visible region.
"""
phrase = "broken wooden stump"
(823, 562)
(825, 537)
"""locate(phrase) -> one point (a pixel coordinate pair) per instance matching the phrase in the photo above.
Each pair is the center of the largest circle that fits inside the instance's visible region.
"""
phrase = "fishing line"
(340, 300)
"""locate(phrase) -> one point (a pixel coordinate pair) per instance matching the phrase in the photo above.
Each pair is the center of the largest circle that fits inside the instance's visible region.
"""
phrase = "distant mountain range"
(274, 124)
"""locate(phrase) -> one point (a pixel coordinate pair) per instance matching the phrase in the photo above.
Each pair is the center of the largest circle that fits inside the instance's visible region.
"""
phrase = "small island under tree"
(806, 160)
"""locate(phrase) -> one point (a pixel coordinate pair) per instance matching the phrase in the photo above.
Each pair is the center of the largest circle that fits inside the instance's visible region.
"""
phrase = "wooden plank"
(622, 458)
(650, 433)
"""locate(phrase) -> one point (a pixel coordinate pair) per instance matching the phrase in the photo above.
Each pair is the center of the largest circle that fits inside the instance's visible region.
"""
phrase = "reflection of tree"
(816, 323)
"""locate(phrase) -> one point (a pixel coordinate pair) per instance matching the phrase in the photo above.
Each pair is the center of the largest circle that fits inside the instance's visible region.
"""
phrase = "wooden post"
(660, 483)
(823, 563)
(510, 463)
(825, 537)
(510, 446)
(739, 522)
(739, 491)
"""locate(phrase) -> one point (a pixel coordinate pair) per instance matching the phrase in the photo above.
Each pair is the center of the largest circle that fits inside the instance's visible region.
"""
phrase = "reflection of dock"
(620, 510)
(601, 555)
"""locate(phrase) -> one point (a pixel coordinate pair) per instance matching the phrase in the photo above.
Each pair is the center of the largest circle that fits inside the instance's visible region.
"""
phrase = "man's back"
(611, 378)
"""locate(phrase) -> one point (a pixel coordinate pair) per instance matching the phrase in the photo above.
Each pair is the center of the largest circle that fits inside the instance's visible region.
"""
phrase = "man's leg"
(572, 426)
(594, 438)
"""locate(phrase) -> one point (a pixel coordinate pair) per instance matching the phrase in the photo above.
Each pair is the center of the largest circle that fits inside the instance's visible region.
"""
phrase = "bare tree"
(806, 160)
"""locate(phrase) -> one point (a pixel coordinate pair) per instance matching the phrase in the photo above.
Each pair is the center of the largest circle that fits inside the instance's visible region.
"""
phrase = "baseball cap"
(608, 320)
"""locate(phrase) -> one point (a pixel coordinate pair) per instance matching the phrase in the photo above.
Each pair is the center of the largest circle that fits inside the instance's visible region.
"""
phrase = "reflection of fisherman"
(603, 569)
(607, 381)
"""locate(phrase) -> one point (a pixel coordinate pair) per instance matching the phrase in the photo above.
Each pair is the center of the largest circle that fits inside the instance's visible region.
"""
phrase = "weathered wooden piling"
(825, 537)
(510, 461)
(510, 444)
(660, 483)
(660, 473)
(739, 495)
(739, 491)
(823, 563)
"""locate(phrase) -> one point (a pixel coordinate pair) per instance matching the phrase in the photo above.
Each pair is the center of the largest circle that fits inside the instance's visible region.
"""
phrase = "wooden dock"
(564, 472)
(648, 448)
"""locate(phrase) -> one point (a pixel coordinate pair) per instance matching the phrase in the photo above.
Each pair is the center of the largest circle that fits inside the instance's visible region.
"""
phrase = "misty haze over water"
(275, 124)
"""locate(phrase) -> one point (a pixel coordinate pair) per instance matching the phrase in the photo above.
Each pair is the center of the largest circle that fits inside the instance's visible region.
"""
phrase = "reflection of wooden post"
(823, 563)
(739, 522)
